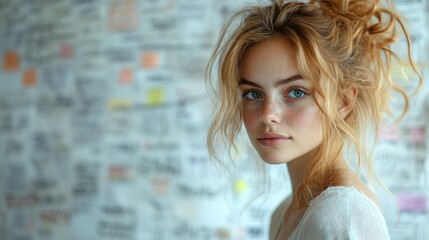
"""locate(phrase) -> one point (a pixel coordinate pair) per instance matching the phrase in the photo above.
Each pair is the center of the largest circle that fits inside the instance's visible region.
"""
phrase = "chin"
(273, 162)
(273, 158)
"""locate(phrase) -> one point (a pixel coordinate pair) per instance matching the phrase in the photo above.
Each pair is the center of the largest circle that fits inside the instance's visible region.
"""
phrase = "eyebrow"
(279, 83)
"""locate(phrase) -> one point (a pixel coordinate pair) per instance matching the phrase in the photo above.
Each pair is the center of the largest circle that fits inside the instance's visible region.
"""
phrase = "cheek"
(306, 119)
(250, 118)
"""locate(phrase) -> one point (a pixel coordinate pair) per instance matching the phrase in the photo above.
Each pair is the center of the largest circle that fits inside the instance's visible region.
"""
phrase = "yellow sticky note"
(240, 186)
(119, 103)
(403, 73)
(155, 96)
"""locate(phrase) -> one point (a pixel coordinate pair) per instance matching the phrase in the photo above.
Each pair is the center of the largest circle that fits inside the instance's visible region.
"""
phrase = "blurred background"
(103, 121)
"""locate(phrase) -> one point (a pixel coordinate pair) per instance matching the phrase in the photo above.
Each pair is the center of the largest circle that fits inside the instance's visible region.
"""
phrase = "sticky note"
(403, 72)
(126, 76)
(412, 202)
(418, 134)
(66, 50)
(119, 103)
(390, 133)
(11, 61)
(150, 60)
(155, 96)
(29, 77)
(240, 186)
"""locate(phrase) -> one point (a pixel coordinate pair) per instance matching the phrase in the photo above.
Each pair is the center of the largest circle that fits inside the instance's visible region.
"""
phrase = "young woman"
(307, 81)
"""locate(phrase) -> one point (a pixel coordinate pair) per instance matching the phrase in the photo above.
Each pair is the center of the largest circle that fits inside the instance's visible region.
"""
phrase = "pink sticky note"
(412, 202)
(418, 134)
(389, 133)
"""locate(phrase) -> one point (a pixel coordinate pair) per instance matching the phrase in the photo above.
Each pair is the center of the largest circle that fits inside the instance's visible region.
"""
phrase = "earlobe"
(348, 100)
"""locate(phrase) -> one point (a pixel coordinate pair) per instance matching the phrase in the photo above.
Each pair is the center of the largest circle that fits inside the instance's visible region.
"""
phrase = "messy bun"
(338, 44)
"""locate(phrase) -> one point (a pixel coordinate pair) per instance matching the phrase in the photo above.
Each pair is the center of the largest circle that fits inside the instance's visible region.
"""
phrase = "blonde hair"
(338, 44)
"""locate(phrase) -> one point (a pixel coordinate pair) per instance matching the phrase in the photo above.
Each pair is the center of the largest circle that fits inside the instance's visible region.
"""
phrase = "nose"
(271, 112)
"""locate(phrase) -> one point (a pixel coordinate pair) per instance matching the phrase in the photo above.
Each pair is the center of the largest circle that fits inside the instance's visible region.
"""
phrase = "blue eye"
(296, 93)
(252, 95)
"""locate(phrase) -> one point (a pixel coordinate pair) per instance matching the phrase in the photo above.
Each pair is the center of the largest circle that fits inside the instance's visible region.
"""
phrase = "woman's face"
(280, 114)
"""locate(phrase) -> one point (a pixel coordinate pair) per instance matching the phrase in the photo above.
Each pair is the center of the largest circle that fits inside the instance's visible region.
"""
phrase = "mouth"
(272, 139)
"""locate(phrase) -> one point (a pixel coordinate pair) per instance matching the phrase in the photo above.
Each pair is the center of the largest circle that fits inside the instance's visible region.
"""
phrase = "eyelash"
(298, 90)
(304, 93)
(247, 93)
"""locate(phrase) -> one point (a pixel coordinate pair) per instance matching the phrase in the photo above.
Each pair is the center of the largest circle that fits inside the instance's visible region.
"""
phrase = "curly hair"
(338, 44)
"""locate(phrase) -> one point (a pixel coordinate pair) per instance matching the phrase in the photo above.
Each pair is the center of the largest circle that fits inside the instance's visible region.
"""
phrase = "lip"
(271, 139)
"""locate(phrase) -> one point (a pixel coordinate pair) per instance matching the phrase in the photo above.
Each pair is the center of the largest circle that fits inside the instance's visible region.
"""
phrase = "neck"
(298, 169)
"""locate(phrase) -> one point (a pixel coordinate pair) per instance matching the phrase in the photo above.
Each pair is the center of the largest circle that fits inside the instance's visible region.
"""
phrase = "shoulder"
(343, 213)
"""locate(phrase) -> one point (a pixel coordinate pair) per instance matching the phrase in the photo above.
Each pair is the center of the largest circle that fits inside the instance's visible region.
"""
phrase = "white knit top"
(336, 213)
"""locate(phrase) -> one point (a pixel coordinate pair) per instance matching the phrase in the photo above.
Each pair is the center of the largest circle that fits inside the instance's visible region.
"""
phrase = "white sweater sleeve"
(342, 213)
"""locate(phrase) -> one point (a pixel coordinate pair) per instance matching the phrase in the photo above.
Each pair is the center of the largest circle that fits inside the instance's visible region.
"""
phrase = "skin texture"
(275, 104)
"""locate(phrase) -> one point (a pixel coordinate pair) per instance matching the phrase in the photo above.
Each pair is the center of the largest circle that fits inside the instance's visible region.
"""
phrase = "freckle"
(294, 113)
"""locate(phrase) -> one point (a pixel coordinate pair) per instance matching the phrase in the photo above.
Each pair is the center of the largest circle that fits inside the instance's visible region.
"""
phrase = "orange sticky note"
(29, 77)
(11, 61)
(126, 76)
(150, 60)
(66, 50)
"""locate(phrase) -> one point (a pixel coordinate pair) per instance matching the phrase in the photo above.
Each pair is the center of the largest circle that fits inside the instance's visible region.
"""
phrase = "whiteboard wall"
(103, 121)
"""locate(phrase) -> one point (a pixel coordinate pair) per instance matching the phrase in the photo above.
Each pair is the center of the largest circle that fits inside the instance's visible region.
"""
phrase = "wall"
(103, 117)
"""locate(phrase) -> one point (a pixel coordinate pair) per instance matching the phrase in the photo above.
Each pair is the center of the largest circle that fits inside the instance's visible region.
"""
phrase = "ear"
(348, 101)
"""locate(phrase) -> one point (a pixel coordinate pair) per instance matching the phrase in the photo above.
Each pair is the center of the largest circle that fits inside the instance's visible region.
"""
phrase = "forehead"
(272, 59)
